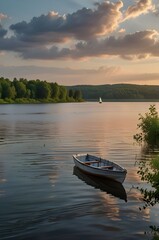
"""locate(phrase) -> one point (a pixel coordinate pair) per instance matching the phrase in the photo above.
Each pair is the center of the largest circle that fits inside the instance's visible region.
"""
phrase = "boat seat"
(106, 167)
(90, 162)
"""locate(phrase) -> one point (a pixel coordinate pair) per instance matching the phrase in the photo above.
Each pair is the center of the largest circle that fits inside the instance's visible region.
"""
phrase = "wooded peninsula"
(36, 91)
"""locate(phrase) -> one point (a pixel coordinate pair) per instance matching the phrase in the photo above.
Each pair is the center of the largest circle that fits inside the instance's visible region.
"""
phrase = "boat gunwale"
(123, 170)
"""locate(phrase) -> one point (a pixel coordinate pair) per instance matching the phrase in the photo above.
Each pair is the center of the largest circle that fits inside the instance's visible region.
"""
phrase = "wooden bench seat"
(90, 162)
(106, 167)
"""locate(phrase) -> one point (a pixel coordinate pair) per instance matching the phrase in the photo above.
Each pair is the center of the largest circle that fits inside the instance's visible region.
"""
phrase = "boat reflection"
(106, 185)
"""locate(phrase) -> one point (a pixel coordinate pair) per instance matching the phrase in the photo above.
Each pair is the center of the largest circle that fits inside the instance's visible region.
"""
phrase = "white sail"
(100, 100)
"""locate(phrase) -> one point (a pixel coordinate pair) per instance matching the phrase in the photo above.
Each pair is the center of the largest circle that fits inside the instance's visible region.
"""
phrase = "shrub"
(149, 125)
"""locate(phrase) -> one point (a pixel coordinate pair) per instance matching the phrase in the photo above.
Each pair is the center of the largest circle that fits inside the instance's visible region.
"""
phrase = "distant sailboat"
(100, 100)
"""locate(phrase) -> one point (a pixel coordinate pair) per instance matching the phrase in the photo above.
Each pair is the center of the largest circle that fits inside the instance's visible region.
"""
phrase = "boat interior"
(98, 162)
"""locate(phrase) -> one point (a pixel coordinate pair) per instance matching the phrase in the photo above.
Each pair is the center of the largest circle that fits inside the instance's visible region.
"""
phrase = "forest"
(116, 92)
(35, 91)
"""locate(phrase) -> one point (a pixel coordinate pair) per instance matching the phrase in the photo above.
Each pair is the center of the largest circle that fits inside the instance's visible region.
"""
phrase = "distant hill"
(117, 92)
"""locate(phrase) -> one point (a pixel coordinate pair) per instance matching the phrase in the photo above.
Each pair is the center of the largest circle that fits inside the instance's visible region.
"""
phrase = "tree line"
(118, 91)
(24, 90)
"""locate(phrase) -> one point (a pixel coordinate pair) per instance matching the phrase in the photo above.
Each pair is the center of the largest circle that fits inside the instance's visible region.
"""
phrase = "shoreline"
(34, 101)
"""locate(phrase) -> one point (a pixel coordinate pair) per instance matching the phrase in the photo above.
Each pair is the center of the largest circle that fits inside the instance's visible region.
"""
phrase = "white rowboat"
(100, 167)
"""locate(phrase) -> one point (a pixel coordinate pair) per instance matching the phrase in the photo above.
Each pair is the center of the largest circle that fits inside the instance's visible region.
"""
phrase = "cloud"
(137, 78)
(3, 32)
(59, 70)
(141, 7)
(156, 11)
(3, 16)
(122, 30)
(14, 44)
(88, 32)
(70, 76)
(131, 46)
(82, 24)
(65, 76)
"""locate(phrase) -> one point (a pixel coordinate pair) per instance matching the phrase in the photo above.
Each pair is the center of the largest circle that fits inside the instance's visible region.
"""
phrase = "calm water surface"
(42, 195)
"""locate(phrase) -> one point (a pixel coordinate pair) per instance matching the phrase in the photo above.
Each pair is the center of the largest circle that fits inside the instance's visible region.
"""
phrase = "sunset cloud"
(110, 70)
(141, 7)
(3, 16)
(138, 45)
(156, 11)
(122, 30)
(89, 31)
(64, 75)
(70, 40)
(131, 46)
(82, 24)
(71, 76)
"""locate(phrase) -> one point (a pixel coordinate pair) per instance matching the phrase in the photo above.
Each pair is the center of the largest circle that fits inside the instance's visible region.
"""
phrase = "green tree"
(20, 88)
(77, 95)
(70, 93)
(55, 90)
(0, 90)
(62, 93)
(32, 88)
(7, 89)
(43, 90)
(12, 92)
(149, 126)
(4, 85)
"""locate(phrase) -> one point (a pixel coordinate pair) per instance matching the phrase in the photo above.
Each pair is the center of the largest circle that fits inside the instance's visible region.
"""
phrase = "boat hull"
(118, 176)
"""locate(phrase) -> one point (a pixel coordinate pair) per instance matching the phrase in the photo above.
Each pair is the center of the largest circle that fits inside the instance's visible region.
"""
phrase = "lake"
(42, 195)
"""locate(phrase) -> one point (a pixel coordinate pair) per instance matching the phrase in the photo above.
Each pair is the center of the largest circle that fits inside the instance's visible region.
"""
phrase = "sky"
(74, 42)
